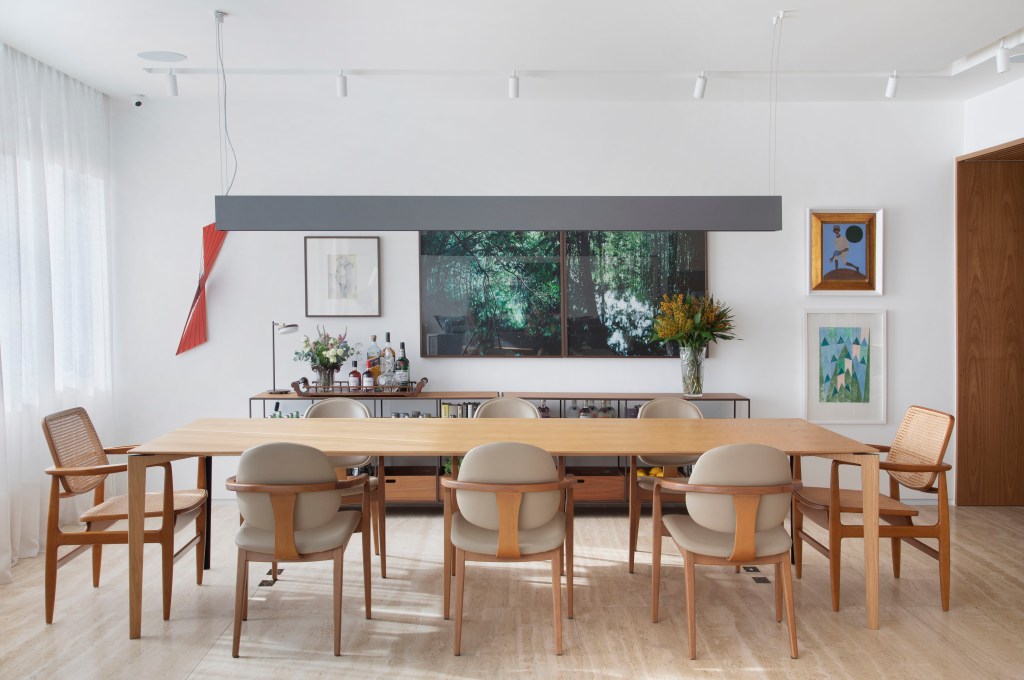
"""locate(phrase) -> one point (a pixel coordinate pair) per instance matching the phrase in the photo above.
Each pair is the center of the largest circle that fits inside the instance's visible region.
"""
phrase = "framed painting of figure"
(342, 276)
(845, 252)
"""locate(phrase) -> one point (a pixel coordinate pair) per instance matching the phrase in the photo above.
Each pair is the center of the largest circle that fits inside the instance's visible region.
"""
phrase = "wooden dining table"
(429, 437)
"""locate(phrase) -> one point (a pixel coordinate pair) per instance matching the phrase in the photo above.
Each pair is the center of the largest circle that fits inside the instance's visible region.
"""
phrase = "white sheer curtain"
(55, 319)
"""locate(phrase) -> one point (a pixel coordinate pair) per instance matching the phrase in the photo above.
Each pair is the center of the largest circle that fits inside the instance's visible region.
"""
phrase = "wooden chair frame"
(746, 500)
(283, 498)
(635, 504)
(900, 528)
(97, 535)
(509, 498)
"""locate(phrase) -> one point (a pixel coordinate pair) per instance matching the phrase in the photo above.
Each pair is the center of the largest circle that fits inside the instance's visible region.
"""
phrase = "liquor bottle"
(402, 373)
(543, 409)
(387, 356)
(606, 410)
(574, 410)
(368, 380)
(355, 378)
(586, 411)
(373, 357)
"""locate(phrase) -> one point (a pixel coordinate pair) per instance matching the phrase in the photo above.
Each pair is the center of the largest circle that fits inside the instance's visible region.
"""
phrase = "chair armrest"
(90, 471)
(669, 485)
(914, 467)
(882, 448)
(566, 483)
(291, 489)
(118, 450)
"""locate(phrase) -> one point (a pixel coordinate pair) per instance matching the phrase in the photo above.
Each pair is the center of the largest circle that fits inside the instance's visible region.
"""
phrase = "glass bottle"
(574, 410)
(402, 373)
(368, 380)
(373, 357)
(387, 356)
(543, 409)
(606, 410)
(586, 411)
(355, 378)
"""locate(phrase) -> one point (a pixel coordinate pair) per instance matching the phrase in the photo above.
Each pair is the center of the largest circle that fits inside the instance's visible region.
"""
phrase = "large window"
(573, 293)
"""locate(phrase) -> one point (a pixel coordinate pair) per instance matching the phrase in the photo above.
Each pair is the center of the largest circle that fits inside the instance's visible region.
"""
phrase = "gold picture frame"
(845, 255)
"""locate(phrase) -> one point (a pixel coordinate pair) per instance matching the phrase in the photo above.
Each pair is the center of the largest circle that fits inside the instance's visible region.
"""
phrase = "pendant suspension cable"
(773, 98)
(227, 180)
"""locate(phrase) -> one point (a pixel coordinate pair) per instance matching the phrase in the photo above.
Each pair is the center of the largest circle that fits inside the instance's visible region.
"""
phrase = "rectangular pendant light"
(499, 213)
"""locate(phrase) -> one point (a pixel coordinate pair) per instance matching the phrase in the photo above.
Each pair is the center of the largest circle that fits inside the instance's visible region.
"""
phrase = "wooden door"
(990, 327)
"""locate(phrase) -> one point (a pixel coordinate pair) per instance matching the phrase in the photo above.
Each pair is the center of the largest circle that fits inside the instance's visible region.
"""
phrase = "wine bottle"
(387, 356)
(543, 409)
(355, 378)
(402, 374)
(373, 357)
(585, 412)
(368, 380)
(574, 410)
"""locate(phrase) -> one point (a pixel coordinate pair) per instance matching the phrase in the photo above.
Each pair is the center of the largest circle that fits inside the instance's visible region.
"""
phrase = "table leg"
(136, 528)
(208, 466)
(869, 485)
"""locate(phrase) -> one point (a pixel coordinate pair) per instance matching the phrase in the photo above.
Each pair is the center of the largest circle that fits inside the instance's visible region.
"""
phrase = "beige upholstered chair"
(288, 495)
(509, 510)
(737, 498)
(342, 407)
(81, 465)
(668, 407)
(914, 461)
(507, 407)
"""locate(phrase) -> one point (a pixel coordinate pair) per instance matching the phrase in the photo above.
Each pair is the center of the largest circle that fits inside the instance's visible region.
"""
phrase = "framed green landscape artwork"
(551, 294)
(845, 366)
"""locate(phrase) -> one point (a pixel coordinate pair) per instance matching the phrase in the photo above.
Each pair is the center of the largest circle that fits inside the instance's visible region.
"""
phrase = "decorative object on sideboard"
(845, 252)
(278, 328)
(342, 275)
(303, 388)
(694, 322)
(325, 354)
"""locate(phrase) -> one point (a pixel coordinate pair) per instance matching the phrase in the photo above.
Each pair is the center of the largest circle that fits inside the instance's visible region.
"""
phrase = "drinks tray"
(303, 388)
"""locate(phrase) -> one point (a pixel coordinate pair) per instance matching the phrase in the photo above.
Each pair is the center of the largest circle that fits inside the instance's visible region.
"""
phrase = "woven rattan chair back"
(921, 440)
(73, 442)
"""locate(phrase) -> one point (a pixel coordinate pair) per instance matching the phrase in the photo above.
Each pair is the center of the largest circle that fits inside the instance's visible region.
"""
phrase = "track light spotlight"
(701, 86)
(513, 86)
(172, 84)
(892, 85)
(1002, 59)
(342, 84)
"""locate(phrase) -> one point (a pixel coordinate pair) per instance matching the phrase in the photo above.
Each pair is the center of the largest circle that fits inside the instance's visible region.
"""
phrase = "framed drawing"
(845, 252)
(342, 276)
(844, 366)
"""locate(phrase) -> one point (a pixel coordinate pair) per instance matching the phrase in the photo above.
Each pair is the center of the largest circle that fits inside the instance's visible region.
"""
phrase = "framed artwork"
(845, 252)
(844, 366)
(552, 294)
(342, 276)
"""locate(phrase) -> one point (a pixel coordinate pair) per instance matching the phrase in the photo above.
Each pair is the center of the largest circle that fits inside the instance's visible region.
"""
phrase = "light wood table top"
(455, 436)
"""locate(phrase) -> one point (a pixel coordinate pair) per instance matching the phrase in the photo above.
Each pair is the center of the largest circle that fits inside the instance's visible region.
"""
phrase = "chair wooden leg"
(382, 529)
(691, 603)
(787, 589)
(736, 570)
(556, 599)
(778, 592)
(835, 542)
(798, 541)
(245, 593)
(447, 575)
(167, 555)
(460, 588)
(367, 607)
(339, 561)
(655, 574)
(944, 566)
(51, 575)
(568, 577)
(97, 561)
(241, 596)
(201, 546)
(376, 527)
(273, 572)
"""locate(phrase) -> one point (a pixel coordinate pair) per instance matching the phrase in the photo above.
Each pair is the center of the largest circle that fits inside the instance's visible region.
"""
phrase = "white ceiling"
(570, 49)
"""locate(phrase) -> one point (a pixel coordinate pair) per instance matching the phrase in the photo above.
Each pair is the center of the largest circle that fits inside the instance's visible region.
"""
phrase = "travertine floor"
(508, 615)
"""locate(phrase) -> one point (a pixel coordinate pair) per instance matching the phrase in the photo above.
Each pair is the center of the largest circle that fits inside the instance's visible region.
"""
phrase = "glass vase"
(325, 376)
(692, 365)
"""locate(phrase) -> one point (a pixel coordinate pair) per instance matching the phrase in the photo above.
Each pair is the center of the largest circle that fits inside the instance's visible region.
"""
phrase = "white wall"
(995, 117)
(893, 155)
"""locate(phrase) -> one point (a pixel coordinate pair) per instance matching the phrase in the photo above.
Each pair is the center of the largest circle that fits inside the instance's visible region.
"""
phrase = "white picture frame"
(342, 276)
(842, 382)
